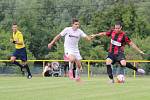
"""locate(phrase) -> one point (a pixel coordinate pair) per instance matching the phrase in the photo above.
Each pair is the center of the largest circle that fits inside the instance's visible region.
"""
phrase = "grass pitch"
(52, 88)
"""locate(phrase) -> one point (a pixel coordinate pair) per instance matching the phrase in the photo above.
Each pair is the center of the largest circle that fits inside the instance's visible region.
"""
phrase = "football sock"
(74, 70)
(109, 71)
(18, 64)
(28, 70)
(128, 65)
(77, 72)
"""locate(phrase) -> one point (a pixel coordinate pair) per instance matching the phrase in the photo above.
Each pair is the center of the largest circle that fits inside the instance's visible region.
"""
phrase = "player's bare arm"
(56, 38)
(136, 48)
(99, 34)
(88, 38)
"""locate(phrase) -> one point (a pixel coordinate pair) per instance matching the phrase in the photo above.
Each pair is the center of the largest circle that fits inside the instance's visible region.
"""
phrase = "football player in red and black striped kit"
(116, 50)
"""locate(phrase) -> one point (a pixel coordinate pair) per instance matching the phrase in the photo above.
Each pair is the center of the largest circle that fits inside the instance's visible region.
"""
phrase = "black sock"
(109, 71)
(128, 65)
(18, 64)
(74, 70)
(27, 68)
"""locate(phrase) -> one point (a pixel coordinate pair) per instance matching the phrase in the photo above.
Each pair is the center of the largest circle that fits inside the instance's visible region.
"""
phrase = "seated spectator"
(55, 65)
(48, 70)
(56, 69)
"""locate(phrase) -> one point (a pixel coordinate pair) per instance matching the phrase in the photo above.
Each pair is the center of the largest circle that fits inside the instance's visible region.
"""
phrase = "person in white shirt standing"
(72, 36)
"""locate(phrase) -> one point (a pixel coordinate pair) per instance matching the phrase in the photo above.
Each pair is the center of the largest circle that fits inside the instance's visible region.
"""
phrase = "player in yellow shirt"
(20, 52)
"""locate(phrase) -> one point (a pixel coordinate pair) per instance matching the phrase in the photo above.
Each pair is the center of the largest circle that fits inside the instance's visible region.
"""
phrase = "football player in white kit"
(72, 36)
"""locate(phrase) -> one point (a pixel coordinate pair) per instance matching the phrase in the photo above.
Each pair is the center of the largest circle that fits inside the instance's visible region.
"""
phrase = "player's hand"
(12, 41)
(92, 36)
(142, 52)
(50, 45)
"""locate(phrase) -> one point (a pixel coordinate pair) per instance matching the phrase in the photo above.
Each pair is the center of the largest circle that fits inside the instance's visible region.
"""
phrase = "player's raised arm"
(88, 38)
(98, 34)
(56, 38)
(135, 47)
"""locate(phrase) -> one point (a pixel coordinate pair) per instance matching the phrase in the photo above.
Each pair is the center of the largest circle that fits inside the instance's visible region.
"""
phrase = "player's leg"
(71, 59)
(23, 57)
(66, 68)
(78, 70)
(78, 66)
(25, 65)
(123, 63)
(129, 65)
(109, 61)
(109, 69)
(13, 60)
(74, 70)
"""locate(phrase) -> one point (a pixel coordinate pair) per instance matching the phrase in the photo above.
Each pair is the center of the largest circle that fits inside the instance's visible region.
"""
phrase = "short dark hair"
(74, 20)
(118, 23)
(14, 23)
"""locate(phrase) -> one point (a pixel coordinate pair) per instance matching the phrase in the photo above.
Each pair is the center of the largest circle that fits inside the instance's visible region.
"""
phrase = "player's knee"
(123, 63)
(12, 59)
(72, 59)
(108, 61)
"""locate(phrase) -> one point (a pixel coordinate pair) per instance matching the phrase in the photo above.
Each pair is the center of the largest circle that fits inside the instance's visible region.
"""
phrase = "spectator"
(47, 72)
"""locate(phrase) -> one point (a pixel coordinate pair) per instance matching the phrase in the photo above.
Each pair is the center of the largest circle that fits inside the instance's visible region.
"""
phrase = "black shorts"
(116, 57)
(20, 54)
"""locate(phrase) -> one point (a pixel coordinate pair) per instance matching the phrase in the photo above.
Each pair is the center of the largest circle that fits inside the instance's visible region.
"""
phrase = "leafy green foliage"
(40, 21)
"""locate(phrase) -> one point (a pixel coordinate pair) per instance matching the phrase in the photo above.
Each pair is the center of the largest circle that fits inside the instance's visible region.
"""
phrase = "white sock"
(77, 72)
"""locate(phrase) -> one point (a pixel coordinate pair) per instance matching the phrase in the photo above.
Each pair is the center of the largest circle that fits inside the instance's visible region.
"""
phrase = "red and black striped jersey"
(118, 41)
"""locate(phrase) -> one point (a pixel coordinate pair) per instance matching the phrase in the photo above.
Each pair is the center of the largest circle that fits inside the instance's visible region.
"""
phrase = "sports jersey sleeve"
(64, 32)
(83, 34)
(127, 40)
(108, 33)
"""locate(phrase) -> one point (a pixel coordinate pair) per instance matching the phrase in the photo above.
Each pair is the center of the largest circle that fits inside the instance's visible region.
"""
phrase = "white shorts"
(76, 54)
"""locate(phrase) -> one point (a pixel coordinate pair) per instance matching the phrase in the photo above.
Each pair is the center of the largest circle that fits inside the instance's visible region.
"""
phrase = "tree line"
(41, 20)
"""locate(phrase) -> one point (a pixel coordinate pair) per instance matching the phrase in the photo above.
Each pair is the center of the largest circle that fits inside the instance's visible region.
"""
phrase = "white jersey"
(72, 38)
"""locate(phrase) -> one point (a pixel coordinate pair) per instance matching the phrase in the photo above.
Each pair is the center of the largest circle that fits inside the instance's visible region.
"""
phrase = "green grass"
(39, 88)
